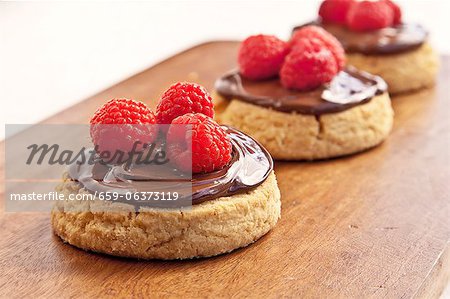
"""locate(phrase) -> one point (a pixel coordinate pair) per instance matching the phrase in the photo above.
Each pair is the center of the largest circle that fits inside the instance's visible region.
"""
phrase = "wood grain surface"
(370, 225)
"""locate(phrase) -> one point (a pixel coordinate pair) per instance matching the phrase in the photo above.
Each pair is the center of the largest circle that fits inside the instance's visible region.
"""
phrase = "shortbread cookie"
(213, 191)
(316, 108)
(207, 229)
(403, 72)
(295, 136)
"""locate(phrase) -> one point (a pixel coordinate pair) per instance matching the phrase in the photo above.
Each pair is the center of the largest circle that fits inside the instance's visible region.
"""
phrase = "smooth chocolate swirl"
(251, 164)
(389, 40)
(348, 89)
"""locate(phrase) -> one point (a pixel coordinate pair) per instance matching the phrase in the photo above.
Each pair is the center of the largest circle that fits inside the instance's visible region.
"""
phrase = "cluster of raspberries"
(191, 133)
(363, 15)
(311, 58)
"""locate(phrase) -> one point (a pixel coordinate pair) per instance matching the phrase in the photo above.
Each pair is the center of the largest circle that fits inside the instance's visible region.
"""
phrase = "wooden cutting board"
(370, 225)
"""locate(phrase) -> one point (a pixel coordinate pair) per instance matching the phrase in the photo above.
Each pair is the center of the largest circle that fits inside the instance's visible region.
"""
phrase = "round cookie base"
(293, 136)
(403, 72)
(208, 229)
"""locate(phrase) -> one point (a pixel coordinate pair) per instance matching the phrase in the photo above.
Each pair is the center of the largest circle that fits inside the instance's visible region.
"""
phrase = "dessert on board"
(376, 39)
(300, 100)
(233, 193)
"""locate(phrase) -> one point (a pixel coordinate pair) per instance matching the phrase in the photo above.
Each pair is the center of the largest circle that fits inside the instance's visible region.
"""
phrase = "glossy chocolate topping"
(250, 166)
(348, 89)
(390, 40)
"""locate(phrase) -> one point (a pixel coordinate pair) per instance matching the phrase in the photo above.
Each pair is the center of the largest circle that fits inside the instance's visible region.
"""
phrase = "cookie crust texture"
(294, 136)
(403, 72)
(208, 229)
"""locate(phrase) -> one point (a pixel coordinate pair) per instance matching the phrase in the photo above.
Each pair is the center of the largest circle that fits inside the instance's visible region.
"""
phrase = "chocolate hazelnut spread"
(251, 164)
(348, 89)
(389, 40)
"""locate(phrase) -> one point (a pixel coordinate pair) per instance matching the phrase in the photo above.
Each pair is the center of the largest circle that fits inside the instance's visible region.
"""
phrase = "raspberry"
(397, 12)
(334, 11)
(261, 56)
(309, 65)
(182, 98)
(120, 123)
(370, 15)
(326, 38)
(211, 145)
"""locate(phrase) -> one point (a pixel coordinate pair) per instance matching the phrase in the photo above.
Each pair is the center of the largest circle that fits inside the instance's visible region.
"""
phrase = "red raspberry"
(334, 11)
(261, 56)
(326, 38)
(397, 12)
(370, 15)
(309, 65)
(211, 145)
(120, 123)
(182, 98)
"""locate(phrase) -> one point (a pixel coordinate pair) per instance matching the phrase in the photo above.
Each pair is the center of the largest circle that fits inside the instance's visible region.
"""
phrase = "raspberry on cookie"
(335, 11)
(396, 10)
(232, 193)
(369, 15)
(315, 109)
(120, 124)
(182, 98)
(377, 40)
(309, 65)
(331, 43)
(261, 56)
(203, 139)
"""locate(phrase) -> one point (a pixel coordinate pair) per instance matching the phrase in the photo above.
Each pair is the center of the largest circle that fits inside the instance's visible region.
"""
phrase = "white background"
(53, 55)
